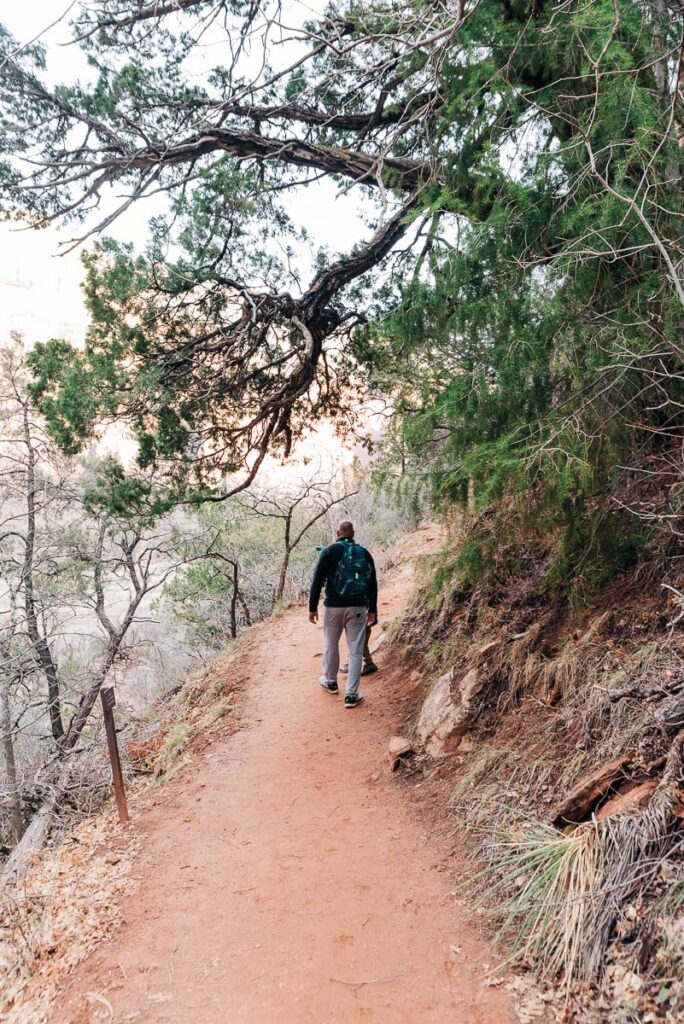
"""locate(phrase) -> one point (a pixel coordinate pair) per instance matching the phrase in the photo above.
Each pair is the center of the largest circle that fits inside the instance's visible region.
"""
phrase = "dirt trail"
(285, 879)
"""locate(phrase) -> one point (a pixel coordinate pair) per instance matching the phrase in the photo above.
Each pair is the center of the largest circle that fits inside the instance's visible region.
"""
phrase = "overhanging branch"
(359, 166)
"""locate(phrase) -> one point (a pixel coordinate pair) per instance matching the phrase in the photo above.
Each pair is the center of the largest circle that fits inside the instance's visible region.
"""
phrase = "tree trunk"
(245, 610)
(87, 701)
(282, 579)
(471, 498)
(40, 644)
(16, 810)
(233, 603)
(35, 836)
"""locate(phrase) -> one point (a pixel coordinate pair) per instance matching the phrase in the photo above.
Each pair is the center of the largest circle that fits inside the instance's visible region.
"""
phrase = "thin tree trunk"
(16, 810)
(233, 603)
(35, 836)
(660, 65)
(245, 610)
(40, 644)
(282, 580)
(660, 73)
(471, 497)
(87, 702)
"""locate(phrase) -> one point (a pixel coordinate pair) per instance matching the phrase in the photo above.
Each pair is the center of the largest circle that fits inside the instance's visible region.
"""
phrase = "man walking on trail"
(351, 605)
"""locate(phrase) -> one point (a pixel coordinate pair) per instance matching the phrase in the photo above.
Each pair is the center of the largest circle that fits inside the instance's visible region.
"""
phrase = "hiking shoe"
(330, 687)
(367, 670)
(352, 699)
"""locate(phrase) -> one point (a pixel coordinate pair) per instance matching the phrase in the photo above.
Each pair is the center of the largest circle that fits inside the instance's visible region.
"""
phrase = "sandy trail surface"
(285, 877)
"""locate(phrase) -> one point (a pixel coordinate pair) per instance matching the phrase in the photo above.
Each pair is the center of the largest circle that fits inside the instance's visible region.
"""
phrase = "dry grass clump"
(478, 768)
(552, 877)
(564, 892)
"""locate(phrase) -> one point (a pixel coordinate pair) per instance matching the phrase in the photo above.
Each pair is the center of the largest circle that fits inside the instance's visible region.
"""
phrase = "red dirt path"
(285, 878)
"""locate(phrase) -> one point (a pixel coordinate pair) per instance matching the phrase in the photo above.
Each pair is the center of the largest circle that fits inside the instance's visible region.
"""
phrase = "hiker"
(351, 604)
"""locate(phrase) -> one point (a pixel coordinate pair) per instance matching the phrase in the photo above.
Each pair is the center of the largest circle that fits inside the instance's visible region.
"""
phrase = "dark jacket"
(325, 573)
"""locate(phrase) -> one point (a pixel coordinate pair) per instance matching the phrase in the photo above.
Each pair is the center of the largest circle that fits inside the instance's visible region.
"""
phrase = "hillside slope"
(552, 738)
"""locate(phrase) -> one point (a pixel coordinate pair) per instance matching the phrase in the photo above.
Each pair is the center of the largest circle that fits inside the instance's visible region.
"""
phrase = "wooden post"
(108, 702)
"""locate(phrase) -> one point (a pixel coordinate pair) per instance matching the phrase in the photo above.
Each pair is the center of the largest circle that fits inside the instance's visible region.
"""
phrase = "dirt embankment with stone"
(552, 740)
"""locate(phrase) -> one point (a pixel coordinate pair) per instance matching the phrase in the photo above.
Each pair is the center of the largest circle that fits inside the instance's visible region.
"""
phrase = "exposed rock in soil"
(378, 642)
(632, 798)
(399, 749)
(467, 744)
(583, 798)
(447, 712)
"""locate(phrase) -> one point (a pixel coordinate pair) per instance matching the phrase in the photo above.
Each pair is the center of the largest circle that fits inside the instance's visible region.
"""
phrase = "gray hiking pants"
(351, 621)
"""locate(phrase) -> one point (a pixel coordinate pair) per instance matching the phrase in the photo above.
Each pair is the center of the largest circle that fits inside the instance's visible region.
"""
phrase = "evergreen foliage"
(520, 299)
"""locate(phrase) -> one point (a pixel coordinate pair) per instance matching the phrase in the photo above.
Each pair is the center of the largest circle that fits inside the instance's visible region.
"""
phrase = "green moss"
(177, 739)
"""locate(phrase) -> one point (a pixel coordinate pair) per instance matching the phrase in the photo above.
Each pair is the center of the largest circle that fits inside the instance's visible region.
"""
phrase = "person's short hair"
(345, 528)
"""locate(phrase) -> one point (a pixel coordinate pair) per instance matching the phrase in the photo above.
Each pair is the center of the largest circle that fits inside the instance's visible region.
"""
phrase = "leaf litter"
(66, 904)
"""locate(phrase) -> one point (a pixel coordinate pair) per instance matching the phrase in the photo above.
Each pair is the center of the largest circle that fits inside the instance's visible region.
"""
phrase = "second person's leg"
(355, 621)
(369, 665)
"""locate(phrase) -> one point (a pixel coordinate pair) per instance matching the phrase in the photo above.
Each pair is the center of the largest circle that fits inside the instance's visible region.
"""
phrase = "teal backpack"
(353, 574)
